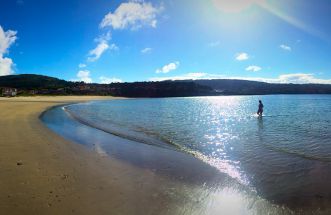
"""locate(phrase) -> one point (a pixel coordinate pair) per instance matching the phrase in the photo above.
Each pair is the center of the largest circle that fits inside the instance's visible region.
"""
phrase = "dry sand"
(42, 173)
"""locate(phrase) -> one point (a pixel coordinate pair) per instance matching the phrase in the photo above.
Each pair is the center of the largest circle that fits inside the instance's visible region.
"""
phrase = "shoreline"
(44, 173)
(168, 161)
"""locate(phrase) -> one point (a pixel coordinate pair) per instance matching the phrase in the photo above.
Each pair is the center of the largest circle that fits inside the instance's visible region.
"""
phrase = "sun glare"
(235, 6)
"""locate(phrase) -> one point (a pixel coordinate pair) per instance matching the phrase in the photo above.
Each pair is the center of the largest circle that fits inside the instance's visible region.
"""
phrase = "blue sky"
(110, 40)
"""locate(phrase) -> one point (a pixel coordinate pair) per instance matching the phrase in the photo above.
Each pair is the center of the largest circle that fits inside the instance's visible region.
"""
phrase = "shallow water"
(285, 156)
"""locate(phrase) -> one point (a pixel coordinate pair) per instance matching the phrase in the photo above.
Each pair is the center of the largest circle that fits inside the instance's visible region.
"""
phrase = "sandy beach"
(42, 173)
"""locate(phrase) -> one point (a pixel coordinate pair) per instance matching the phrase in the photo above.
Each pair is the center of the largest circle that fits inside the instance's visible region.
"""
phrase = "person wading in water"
(260, 110)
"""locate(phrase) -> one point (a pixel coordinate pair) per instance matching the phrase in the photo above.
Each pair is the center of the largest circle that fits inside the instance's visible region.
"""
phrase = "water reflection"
(282, 157)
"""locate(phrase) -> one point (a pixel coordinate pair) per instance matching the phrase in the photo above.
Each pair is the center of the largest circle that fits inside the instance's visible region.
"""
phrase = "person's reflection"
(260, 123)
(260, 128)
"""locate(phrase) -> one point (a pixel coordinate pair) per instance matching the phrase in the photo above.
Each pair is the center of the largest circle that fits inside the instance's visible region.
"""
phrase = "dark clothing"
(260, 110)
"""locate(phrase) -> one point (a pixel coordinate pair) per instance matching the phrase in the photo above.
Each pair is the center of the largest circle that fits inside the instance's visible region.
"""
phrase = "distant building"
(84, 87)
(9, 92)
(33, 92)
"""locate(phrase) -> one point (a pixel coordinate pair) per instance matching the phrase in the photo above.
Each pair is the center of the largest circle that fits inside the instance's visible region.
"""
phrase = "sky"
(104, 41)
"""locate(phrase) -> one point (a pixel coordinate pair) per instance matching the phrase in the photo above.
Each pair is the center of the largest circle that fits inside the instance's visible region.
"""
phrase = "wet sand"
(42, 173)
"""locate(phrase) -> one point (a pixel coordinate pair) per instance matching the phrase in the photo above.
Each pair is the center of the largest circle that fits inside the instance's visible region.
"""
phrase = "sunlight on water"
(232, 201)
(288, 146)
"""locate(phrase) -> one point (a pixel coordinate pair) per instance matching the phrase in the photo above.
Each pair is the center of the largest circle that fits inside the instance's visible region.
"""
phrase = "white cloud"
(302, 78)
(84, 75)
(6, 65)
(82, 65)
(188, 76)
(214, 44)
(195, 75)
(96, 53)
(169, 67)
(285, 47)
(294, 78)
(146, 50)
(106, 80)
(114, 47)
(102, 46)
(104, 37)
(253, 68)
(133, 15)
(7, 38)
(242, 56)
(129, 15)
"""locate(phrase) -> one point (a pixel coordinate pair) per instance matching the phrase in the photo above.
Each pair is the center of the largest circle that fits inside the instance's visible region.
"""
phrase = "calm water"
(285, 156)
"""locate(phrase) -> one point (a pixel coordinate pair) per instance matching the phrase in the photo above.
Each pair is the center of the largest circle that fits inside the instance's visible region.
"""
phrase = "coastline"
(168, 161)
(42, 173)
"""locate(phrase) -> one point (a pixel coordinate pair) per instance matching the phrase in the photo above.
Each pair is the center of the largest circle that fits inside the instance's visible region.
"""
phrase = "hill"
(31, 81)
(244, 87)
(30, 84)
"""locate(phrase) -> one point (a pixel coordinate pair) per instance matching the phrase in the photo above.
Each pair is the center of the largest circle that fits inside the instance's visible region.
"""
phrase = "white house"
(9, 92)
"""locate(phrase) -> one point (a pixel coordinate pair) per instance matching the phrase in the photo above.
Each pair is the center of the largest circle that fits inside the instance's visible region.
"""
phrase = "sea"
(284, 155)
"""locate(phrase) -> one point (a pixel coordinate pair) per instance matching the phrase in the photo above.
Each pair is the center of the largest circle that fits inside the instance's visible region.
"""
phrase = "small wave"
(270, 116)
(298, 153)
(222, 165)
(137, 137)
